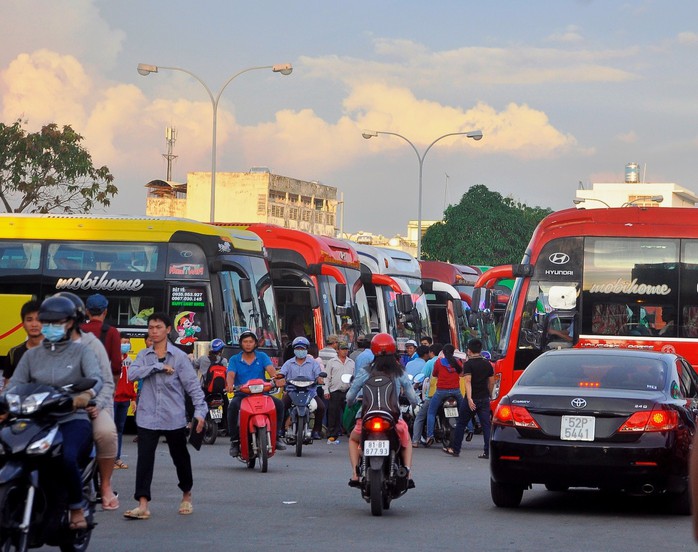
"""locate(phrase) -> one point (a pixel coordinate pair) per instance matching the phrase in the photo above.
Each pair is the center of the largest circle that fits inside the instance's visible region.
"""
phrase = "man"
(303, 364)
(167, 377)
(479, 382)
(426, 341)
(330, 349)
(362, 343)
(365, 358)
(246, 365)
(32, 327)
(410, 351)
(427, 392)
(337, 391)
(416, 366)
(96, 305)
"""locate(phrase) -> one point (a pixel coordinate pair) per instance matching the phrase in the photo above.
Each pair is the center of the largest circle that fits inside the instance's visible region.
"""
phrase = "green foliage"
(483, 229)
(49, 171)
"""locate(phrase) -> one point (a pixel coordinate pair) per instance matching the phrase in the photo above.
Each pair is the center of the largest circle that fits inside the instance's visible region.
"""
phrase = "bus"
(317, 282)
(393, 308)
(212, 282)
(601, 278)
(448, 289)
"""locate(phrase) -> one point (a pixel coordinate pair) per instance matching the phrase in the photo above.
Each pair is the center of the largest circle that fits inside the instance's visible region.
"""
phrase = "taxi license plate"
(376, 448)
(216, 413)
(577, 428)
(451, 412)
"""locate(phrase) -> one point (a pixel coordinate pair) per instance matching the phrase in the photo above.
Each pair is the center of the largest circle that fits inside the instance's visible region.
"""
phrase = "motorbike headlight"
(258, 388)
(40, 446)
(300, 383)
(32, 403)
(14, 404)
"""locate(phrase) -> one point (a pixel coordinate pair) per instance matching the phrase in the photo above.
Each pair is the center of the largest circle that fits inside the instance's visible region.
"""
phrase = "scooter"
(33, 502)
(216, 418)
(445, 423)
(257, 423)
(303, 406)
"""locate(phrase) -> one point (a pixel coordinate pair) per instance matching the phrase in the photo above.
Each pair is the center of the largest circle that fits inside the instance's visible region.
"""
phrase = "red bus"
(317, 284)
(601, 278)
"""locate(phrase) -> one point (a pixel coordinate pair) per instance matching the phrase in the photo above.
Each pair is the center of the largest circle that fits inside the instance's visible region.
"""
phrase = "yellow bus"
(212, 281)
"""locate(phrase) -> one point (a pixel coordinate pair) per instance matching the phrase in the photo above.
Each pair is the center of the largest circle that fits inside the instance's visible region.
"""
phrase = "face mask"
(53, 332)
(125, 348)
(300, 353)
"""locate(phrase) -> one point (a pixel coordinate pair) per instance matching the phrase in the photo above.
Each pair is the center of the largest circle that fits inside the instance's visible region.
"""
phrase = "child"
(124, 395)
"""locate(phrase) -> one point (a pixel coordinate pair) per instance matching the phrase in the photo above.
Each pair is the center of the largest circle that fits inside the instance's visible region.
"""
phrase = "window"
(103, 256)
(277, 211)
(19, 255)
(261, 204)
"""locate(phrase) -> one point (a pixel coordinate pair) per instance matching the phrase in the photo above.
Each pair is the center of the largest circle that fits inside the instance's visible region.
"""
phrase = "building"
(634, 192)
(254, 196)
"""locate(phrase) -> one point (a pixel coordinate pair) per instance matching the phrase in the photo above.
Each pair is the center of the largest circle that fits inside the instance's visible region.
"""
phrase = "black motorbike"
(216, 420)
(299, 390)
(445, 423)
(33, 501)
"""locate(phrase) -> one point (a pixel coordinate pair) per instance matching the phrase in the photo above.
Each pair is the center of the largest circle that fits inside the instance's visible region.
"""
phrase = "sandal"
(185, 508)
(80, 525)
(450, 451)
(111, 504)
(355, 483)
(137, 513)
(430, 441)
(120, 464)
(415, 445)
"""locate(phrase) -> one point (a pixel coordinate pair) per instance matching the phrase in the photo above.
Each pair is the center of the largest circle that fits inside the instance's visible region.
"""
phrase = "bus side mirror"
(314, 303)
(404, 303)
(458, 308)
(245, 290)
(340, 294)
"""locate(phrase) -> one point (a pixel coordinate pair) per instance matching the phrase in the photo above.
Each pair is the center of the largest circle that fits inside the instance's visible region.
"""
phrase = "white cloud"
(687, 38)
(629, 137)
(571, 34)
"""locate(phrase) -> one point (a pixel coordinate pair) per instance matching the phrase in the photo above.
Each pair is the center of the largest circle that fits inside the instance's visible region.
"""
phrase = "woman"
(447, 371)
(60, 361)
(384, 349)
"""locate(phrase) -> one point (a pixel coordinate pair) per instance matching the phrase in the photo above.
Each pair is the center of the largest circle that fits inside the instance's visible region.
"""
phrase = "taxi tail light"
(515, 416)
(378, 425)
(659, 419)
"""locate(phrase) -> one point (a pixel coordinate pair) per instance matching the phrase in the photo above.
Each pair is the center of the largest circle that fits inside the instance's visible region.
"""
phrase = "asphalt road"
(305, 504)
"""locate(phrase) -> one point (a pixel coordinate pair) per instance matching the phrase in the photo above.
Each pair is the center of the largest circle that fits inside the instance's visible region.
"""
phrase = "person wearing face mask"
(60, 361)
(303, 364)
(124, 395)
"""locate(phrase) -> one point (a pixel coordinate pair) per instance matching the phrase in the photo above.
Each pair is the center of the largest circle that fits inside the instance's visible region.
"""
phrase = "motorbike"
(382, 475)
(33, 503)
(302, 408)
(408, 411)
(445, 422)
(257, 423)
(216, 419)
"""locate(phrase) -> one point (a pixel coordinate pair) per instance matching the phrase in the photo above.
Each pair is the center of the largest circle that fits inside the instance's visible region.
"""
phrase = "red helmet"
(383, 344)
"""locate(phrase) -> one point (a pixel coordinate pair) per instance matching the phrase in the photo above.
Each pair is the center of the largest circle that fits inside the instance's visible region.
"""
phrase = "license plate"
(577, 428)
(376, 448)
(451, 412)
(216, 413)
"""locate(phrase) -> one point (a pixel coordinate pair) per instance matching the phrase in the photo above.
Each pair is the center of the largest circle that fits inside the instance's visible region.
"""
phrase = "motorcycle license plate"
(376, 448)
(216, 413)
(451, 412)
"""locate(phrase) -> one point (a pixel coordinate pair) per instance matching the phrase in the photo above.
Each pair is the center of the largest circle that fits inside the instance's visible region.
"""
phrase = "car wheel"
(504, 495)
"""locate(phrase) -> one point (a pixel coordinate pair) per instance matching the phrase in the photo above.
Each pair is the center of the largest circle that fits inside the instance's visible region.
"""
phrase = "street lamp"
(474, 134)
(652, 199)
(578, 200)
(145, 70)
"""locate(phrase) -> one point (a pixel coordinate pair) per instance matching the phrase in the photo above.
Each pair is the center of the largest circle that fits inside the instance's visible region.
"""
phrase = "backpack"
(103, 333)
(215, 378)
(380, 395)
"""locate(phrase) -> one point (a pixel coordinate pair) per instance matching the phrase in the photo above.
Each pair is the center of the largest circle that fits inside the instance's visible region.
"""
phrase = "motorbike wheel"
(210, 430)
(80, 540)
(11, 510)
(375, 482)
(446, 438)
(300, 435)
(262, 446)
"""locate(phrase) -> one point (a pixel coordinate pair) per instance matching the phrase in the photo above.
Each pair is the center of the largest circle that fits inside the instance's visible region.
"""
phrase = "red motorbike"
(257, 423)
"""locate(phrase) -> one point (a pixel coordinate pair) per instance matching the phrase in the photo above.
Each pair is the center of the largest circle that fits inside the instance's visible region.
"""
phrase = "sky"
(565, 92)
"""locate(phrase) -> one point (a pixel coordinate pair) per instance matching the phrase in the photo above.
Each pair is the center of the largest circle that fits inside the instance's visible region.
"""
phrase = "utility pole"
(170, 138)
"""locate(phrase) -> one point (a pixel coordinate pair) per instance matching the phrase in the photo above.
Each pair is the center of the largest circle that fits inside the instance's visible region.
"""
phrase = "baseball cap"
(332, 338)
(411, 342)
(343, 345)
(96, 303)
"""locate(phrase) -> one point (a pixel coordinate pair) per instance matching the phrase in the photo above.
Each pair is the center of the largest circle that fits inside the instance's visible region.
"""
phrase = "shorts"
(403, 432)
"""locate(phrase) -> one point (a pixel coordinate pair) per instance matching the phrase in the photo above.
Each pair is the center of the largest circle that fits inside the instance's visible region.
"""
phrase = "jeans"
(419, 421)
(234, 413)
(76, 442)
(147, 443)
(465, 415)
(120, 415)
(436, 401)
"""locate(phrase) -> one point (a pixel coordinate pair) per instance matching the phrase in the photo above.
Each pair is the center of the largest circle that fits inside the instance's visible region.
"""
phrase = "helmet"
(80, 312)
(300, 341)
(383, 344)
(247, 333)
(217, 345)
(486, 355)
(54, 309)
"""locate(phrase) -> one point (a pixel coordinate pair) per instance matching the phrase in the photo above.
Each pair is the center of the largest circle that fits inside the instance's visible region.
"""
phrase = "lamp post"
(145, 70)
(474, 134)
(578, 200)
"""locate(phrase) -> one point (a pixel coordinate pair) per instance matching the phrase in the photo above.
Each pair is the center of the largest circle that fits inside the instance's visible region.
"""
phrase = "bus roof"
(116, 228)
(401, 263)
(449, 273)
(290, 246)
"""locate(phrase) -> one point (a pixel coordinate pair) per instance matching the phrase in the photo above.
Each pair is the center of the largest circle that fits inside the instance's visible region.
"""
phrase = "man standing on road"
(32, 327)
(167, 377)
(479, 382)
(337, 391)
(110, 337)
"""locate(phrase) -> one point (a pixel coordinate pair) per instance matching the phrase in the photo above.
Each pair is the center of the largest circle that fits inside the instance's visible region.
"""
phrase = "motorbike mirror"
(83, 384)
(322, 374)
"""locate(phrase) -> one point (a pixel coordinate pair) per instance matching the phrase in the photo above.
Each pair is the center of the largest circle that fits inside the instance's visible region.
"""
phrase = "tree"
(483, 229)
(49, 171)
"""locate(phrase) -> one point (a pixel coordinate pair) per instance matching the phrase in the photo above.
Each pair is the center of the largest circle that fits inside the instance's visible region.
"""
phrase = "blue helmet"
(486, 355)
(300, 341)
(217, 345)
